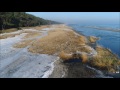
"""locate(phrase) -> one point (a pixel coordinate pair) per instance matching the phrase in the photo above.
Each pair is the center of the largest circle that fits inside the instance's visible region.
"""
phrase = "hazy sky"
(80, 17)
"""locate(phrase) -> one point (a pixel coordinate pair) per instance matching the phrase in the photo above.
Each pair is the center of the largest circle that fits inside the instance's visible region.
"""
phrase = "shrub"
(84, 58)
(65, 56)
(93, 39)
(105, 60)
(19, 28)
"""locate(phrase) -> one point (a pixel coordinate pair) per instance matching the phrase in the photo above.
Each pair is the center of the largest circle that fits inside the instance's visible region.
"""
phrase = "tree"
(21, 19)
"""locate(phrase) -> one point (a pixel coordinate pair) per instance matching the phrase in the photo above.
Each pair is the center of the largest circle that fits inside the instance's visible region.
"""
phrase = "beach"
(52, 51)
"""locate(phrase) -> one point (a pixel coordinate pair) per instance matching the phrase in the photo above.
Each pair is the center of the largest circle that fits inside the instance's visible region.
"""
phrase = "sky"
(80, 17)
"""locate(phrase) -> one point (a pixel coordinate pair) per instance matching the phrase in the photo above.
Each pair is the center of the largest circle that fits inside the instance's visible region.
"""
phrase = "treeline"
(21, 19)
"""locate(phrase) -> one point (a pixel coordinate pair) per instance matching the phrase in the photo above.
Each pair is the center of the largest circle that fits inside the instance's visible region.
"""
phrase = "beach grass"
(65, 56)
(8, 35)
(92, 39)
(31, 35)
(105, 60)
(59, 40)
(23, 43)
(8, 30)
(64, 42)
(84, 58)
(41, 27)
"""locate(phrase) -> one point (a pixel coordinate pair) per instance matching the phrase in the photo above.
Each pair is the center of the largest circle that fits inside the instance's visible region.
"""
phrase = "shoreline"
(53, 41)
(99, 45)
(71, 70)
(96, 72)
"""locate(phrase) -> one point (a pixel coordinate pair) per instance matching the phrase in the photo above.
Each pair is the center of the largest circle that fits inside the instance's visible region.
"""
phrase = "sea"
(109, 34)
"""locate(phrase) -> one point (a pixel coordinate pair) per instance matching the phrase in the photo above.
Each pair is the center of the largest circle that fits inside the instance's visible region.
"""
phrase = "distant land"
(103, 28)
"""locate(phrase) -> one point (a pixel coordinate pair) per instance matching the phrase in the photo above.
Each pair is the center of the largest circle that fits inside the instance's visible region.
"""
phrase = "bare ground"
(72, 70)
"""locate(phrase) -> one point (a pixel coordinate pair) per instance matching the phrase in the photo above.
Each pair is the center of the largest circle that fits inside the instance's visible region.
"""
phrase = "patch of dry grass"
(85, 48)
(49, 44)
(31, 35)
(27, 31)
(23, 44)
(84, 58)
(59, 40)
(8, 30)
(93, 39)
(37, 27)
(105, 60)
(64, 56)
(41, 27)
(8, 35)
(27, 27)
(81, 40)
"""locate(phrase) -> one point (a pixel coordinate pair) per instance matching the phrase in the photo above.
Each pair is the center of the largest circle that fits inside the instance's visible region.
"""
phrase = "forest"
(21, 19)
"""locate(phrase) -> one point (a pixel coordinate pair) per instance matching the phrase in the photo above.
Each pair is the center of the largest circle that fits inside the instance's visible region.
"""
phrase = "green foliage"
(21, 19)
